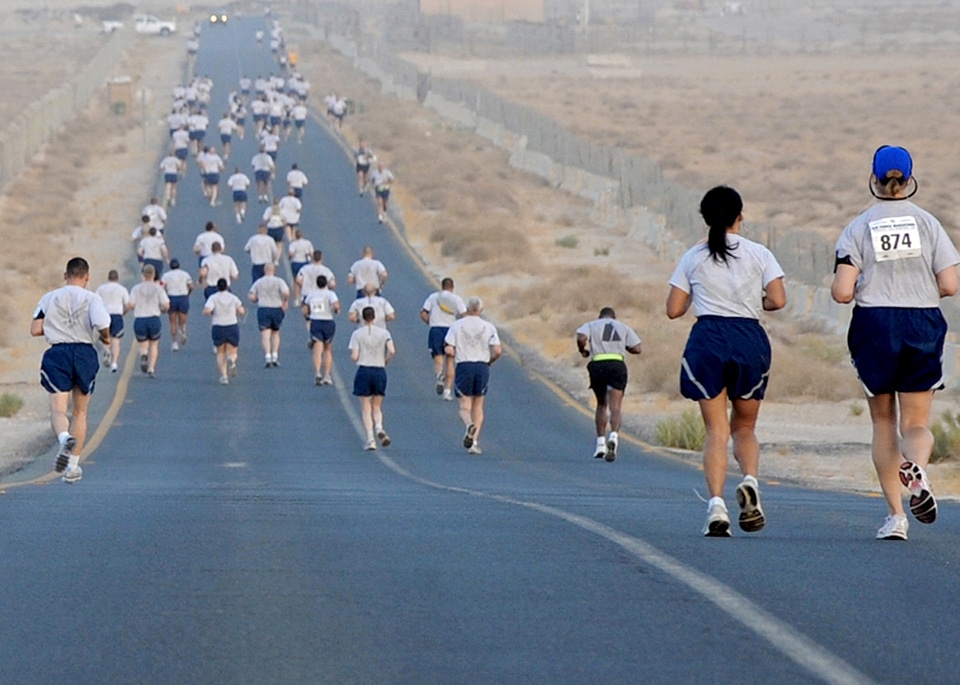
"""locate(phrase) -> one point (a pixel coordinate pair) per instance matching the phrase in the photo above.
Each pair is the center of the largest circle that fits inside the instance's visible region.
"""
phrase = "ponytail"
(720, 208)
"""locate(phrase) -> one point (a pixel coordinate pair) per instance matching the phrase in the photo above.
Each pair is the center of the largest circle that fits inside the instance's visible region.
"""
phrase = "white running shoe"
(328, 380)
(318, 380)
(717, 524)
(923, 505)
(224, 380)
(72, 475)
(371, 445)
(613, 441)
(143, 363)
(448, 396)
(751, 513)
(600, 451)
(113, 368)
(439, 386)
(475, 449)
(380, 218)
(67, 446)
(232, 367)
(107, 357)
(383, 438)
(175, 346)
(468, 436)
(894, 527)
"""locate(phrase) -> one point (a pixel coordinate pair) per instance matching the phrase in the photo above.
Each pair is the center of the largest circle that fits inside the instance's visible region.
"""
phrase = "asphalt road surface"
(239, 534)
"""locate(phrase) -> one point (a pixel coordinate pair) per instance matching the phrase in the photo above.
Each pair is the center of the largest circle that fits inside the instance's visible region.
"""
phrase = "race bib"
(318, 307)
(895, 238)
(361, 159)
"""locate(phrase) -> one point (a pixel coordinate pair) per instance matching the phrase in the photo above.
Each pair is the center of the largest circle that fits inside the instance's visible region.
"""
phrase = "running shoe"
(232, 367)
(439, 387)
(383, 438)
(468, 436)
(327, 380)
(113, 368)
(224, 380)
(267, 364)
(183, 338)
(310, 343)
(318, 380)
(107, 358)
(923, 505)
(151, 373)
(751, 513)
(894, 527)
(143, 363)
(64, 453)
(380, 218)
(717, 524)
(475, 449)
(448, 396)
(371, 445)
(72, 475)
(175, 346)
(600, 451)
(612, 442)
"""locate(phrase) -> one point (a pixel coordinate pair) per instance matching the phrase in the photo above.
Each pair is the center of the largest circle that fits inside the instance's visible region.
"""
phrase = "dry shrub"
(796, 375)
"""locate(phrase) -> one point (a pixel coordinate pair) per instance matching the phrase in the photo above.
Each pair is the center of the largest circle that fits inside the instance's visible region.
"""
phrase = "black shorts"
(610, 373)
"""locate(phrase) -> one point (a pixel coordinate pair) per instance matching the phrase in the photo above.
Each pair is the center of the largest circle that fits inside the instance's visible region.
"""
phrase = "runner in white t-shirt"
(439, 311)
(148, 300)
(170, 167)
(225, 308)
(70, 319)
(203, 245)
(272, 295)
(319, 307)
(238, 184)
(179, 285)
(115, 297)
(474, 345)
(371, 348)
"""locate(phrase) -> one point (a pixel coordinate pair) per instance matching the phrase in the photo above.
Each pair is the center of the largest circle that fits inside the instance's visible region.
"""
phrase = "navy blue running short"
(897, 349)
(725, 353)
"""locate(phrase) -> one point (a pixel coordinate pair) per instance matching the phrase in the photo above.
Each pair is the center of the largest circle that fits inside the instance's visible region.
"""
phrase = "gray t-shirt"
(271, 291)
(609, 336)
(371, 342)
(732, 289)
(899, 250)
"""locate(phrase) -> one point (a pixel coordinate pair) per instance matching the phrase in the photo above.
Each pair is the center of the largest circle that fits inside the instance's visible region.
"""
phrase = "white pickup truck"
(149, 25)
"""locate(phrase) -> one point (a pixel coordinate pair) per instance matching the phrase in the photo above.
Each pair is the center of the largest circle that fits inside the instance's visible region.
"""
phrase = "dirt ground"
(824, 443)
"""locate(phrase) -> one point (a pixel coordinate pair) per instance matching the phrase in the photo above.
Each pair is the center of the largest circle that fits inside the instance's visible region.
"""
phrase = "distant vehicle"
(148, 24)
(109, 26)
(218, 18)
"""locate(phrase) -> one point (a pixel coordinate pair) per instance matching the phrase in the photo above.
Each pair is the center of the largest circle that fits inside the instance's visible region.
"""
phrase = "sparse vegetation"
(946, 435)
(10, 404)
(568, 241)
(856, 407)
(685, 432)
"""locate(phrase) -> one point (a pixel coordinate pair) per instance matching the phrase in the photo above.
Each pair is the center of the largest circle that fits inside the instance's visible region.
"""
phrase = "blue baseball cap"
(888, 160)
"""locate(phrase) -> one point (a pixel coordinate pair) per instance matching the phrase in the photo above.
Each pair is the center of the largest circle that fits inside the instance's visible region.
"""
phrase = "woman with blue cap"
(895, 262)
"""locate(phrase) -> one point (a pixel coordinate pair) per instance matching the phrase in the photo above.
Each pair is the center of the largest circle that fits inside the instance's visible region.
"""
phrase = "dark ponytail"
(720, 208)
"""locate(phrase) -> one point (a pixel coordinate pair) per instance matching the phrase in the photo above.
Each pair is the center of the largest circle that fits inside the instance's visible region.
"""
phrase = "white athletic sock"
(613, 435)
(63, 437)
(752, 480)
(74, 461)
(716, 500)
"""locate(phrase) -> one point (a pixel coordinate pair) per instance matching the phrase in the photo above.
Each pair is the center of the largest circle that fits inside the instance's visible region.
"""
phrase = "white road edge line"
(788, 641)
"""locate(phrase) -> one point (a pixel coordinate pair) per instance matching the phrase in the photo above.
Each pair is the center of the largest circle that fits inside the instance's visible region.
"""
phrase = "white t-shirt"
(181, 139)
(472, 338)
(227, 126)
(151, 247)
(148, 299)
(72, 314)
(210, 163)
(367, 270)
(371, 343)
(308, 277)
(444, 307)
(170, 165)
(732, 289)
(204, 242)
(381, 307)
(381, 179)
(220, 266)
(157, 214)
(300, 250)
(262, 248)
(223, 306)
(262, 162)
(115, 297)
(177, 282)
(238, 181)
(321, 302)
(271, 291)
(290, 208)
(299, 112)
(273, 217)
(296, 178)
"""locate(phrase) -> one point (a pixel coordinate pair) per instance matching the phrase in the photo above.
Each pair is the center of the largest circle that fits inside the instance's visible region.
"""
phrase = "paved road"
(239, 534)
